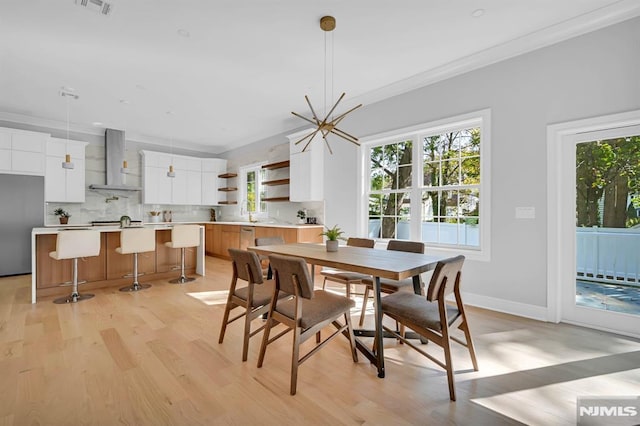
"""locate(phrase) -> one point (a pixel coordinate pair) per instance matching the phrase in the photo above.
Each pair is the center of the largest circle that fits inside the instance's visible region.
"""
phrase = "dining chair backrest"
(269, 241)
(447, 273)
(292, 275)
(361, 242)
(243, 259)
(408, 246)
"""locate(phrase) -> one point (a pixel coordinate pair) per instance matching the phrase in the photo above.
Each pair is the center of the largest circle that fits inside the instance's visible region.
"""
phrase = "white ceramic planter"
(332, 245)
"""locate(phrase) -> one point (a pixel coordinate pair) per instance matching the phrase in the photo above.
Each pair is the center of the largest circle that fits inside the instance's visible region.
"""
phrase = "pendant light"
(125, 167)
(327, 126)
(171, 173)
(68, 93)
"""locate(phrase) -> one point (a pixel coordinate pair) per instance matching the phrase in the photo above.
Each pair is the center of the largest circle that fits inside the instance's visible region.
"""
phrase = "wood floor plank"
(153, 358)
(119, 352)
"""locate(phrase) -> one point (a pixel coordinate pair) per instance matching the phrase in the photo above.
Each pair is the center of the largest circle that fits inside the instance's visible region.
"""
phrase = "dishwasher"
(247, 237)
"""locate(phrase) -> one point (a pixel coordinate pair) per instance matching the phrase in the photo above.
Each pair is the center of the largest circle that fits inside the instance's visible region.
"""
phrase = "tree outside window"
(608, 183)
(427, 185)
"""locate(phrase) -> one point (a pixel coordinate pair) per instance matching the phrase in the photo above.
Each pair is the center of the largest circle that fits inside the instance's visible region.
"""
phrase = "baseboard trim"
(506, 306)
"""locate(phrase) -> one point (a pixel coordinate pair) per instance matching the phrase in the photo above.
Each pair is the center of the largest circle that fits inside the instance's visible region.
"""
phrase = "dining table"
(390, 264)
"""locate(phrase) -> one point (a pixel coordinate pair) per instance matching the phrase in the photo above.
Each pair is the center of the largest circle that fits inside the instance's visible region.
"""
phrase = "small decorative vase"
(64, 220)
(332, 245)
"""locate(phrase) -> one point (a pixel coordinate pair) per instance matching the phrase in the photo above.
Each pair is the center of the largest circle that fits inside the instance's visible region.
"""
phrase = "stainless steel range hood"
(113, 156)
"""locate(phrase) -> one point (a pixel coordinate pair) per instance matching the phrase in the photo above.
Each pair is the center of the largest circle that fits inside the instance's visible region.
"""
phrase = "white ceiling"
(246, 65)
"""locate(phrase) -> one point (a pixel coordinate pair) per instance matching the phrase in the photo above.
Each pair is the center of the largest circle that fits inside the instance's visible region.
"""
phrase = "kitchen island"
(109, 268)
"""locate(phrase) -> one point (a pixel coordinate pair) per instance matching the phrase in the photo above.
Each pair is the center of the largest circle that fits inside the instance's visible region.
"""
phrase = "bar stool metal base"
(135, 287)
(73, 298)
(182, 280)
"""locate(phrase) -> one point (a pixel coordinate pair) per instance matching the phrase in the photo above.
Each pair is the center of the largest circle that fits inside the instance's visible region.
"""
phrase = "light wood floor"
(153, 358)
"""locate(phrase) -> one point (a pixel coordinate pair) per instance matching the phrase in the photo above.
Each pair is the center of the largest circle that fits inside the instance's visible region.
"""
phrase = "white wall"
(591, 75)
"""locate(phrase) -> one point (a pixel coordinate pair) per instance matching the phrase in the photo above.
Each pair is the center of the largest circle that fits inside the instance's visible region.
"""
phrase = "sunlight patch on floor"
(211, 298)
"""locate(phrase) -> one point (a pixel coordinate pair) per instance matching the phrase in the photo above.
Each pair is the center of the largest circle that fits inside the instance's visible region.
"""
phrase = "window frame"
(242, 174)
(481, 119)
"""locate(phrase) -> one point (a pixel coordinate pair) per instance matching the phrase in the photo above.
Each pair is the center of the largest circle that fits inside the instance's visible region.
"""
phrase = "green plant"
(301, 214)
(334, 234)
(61, 212)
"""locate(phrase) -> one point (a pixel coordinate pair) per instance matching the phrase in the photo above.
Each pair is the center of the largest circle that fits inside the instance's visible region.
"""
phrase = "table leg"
(378, 332)
(417, 285)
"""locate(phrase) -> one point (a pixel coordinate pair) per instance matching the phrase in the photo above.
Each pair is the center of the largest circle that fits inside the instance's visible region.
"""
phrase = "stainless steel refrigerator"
(21, 209)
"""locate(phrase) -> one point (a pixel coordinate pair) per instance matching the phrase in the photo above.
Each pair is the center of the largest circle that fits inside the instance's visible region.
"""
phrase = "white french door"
(565, 302)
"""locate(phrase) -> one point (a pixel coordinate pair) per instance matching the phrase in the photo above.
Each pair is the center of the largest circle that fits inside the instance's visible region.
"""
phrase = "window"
(252, 190)
(426, 184)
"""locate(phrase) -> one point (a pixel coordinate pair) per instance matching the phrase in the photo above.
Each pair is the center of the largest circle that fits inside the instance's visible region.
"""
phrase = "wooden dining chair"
(304, 311)
(347, 277)
(267, 241)
(254, 299)
(432, 317)
(391, 286)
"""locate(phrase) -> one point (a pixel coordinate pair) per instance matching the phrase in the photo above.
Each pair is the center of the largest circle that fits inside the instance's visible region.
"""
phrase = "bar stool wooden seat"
(134, 241)
(74, 244)
(183, 236)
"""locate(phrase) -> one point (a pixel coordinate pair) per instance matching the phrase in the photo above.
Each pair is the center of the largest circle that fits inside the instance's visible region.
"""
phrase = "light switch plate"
(525, 212)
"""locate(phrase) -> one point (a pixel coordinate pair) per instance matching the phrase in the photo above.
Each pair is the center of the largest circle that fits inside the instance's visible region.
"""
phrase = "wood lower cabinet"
(224, 237)
(53, 273)
(229, 238)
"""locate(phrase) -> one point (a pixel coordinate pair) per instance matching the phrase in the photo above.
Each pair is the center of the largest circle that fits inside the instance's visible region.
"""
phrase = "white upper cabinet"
(306, 169)
(191, 185)
(22, 152)
(60, 184)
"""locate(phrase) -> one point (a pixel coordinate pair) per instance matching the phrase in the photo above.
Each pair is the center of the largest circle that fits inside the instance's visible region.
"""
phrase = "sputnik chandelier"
(328, 125)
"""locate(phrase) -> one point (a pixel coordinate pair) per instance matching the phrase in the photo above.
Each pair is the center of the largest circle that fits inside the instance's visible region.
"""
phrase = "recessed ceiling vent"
(97, 6)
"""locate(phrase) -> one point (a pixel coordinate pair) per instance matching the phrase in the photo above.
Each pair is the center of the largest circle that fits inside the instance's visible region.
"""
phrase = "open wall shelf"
(278, 165)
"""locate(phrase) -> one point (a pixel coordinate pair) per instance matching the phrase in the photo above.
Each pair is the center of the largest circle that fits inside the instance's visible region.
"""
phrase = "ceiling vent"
(97, 6)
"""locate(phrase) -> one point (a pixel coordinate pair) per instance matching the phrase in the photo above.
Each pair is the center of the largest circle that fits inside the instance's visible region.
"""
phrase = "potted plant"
(63, 215)
(333, 235)
(302, 215)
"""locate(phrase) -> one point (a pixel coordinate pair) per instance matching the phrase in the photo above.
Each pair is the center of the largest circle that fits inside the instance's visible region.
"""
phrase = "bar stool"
(183, 236)
(134, 241)
(73, 244)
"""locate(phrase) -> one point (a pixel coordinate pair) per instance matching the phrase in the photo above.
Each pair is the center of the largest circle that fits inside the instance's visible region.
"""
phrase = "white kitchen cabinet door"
(65, 185)
(179, 185)
(194, 187)
(55, 180)
(306, 169)
(156, 186)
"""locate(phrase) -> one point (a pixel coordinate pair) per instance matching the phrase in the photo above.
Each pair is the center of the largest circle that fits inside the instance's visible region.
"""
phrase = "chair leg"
(352, 340)
(364, 305)
(247, 333)
(74, 296)
(295, 360)
(449, 366)
(324, 283)
(183, 278)
(467, 334)
(265, 339)
(136, 285)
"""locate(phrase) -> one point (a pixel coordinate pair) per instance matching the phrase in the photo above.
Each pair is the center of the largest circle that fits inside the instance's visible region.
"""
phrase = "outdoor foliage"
(608, 182)
(451, 174)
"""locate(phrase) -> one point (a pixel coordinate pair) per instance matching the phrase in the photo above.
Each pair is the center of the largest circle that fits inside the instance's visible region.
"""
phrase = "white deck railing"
(608, 255)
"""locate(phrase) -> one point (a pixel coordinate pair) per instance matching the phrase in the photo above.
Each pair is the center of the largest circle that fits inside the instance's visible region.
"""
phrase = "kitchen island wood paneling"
(109, 268)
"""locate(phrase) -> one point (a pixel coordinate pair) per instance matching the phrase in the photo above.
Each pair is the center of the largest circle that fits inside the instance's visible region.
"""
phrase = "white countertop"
(54, 229)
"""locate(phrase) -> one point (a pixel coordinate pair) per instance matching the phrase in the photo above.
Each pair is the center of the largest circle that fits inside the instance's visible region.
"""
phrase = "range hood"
(113, 156)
